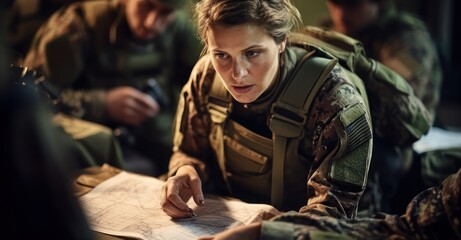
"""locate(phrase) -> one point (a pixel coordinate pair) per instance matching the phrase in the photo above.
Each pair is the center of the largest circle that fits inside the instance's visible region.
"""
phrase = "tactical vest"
(253, 165)
(397, 114)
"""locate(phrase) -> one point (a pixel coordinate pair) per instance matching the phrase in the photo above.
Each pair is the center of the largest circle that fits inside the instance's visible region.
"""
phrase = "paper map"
(128, 205)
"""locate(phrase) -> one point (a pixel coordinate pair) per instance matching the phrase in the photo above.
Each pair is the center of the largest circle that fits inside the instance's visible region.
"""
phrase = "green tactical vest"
(270, 169)
(397, 115)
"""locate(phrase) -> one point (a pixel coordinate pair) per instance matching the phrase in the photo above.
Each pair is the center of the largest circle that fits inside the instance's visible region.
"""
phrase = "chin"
(243, 99)
(145, 37)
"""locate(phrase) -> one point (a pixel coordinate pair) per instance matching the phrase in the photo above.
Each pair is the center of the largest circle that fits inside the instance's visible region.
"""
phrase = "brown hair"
(278, 17)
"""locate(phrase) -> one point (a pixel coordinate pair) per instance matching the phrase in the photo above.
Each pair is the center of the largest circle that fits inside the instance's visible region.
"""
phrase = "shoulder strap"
(219, 104)
(289, 113)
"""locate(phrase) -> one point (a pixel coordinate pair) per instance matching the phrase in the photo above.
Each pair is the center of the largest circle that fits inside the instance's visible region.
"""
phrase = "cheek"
(133, 20)
(221, 71)
(268, 70)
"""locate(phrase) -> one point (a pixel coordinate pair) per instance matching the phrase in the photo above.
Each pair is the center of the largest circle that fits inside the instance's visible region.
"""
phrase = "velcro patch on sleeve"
(352, 167)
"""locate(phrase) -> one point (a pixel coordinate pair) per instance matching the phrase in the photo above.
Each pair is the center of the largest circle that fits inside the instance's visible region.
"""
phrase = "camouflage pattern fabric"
(23, 18)
(316, 152)
(85, 49)
(434, 213)
(402, 42)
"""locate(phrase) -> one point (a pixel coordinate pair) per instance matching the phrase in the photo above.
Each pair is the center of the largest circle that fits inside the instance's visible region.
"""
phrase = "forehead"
(237, 37)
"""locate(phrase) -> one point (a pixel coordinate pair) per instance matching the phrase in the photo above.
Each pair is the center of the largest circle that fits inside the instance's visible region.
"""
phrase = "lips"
(242, 89)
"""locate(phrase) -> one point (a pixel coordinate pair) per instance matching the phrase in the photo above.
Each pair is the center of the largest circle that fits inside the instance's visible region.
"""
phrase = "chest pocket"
(248, 160)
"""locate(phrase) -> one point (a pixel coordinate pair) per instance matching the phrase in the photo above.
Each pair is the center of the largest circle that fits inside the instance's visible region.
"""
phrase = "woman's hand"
(178, 189)
(247, 232)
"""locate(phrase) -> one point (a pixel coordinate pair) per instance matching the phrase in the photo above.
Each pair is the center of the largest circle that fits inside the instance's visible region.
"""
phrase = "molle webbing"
(289, 114)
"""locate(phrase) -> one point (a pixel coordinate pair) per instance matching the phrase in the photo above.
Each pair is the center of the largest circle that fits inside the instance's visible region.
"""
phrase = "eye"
(251, 53)
(221, 56)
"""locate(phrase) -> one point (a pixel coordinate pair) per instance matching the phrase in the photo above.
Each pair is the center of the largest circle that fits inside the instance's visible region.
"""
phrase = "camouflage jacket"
(318, 150)
(402, 42)
(85, 49)
(433, 214)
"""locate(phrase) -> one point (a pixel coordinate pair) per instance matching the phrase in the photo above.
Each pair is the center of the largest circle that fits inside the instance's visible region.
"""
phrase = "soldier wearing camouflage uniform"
(434, 213)
(230, 146)
(403, 43)
(105, 57)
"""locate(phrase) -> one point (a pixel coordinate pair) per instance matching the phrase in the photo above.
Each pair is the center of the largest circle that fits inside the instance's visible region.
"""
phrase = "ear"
(282, 45)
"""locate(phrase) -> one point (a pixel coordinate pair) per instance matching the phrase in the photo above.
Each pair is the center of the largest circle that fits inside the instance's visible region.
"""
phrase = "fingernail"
(201, 201)
(192, 213)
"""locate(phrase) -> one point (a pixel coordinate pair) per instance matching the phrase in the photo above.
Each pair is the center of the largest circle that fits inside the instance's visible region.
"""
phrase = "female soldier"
(230, 109)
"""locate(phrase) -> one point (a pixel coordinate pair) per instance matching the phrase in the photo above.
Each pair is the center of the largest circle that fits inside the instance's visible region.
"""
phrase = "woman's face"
(147, 18)
(246, 58)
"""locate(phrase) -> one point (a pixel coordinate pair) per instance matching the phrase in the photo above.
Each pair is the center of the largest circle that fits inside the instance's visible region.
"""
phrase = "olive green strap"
(219, 104)
(289, 114)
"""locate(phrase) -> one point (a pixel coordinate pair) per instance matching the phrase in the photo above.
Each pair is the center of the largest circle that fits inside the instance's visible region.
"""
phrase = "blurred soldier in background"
(22, 19)
(89, 144)
(403, 43)
(121, 63)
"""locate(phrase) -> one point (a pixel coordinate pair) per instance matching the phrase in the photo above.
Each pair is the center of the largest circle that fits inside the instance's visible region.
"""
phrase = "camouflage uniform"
(23, 18)
(433, 214)
(85, 49)
(248, 169)
(403, 43)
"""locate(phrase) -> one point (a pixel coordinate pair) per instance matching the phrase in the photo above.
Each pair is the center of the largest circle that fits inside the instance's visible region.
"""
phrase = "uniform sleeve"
(304, 226)
(58, 46)
(436, 212)
(191, 124)
(58, 51)
(341, 148)
(432, 214)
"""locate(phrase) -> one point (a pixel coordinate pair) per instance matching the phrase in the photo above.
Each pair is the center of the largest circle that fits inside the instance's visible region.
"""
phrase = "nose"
(239, 69)
(149, 21)
(155, 20)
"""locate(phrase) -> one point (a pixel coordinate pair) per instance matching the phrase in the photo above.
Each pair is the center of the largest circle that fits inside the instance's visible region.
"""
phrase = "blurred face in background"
(147, 18)
(352, 16)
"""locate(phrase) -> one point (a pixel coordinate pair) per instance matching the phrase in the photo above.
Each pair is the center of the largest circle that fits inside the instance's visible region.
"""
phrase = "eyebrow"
(244, 50)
